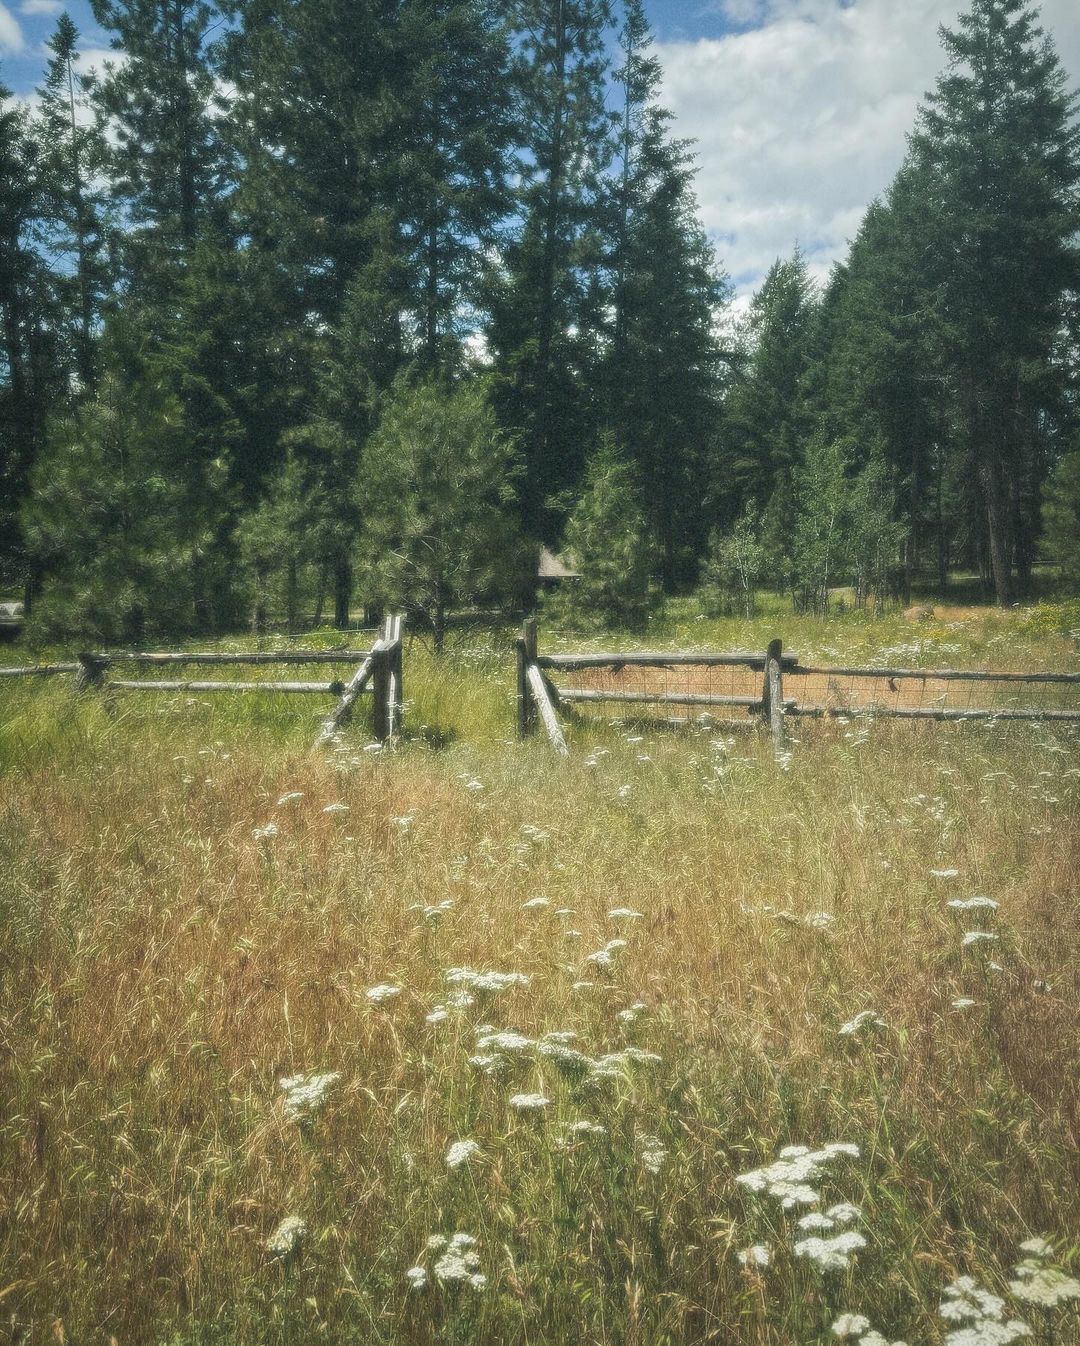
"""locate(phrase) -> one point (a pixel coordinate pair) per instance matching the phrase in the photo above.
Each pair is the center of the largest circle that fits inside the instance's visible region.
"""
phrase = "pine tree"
(662, 373)
(547, 303)
(1061, 518)
(74, 159)
(436, 493)
(999, 146)
(607, 538)
(767, 419)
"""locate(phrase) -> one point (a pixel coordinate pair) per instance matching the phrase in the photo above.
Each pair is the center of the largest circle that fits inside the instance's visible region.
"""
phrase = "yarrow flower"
(286, 1239)
(459, 1260)
(653, 1154)
(529, 1102)
(460, 1152)
(535, 903)
(377, 994)
(417, 1277)
(788, 1178)
(503, 1042)
(965, 1299)
(864, 1019)
(288, 798)
(757, 1255)
(841, 1214)
(976, 937)
(850, 1325)
(623, 914)
(1038, 1283)
(632, 1012)
(962, 1002)
(305, 1094)
(973, 904)
(336, 808)
(266, 832)
(944, 873)
(831, 1254)
(488, 983)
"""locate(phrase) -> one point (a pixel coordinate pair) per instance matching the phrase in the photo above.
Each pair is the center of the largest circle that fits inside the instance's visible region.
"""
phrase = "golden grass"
(163, 967)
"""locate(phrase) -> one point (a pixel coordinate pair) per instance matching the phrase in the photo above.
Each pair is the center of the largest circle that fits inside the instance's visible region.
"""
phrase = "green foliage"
(820, 547)
(733, 568)
(608, 540)
(112, 521)
(1061, 517)
(436, 492)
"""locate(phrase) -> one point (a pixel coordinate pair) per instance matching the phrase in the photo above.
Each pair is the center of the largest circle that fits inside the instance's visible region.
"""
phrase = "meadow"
(670, 1042)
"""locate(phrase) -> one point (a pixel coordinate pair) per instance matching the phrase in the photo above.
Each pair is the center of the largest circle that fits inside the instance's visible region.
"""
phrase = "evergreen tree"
(74, 158)
(436, 493)
(547, 303)
(999, 147)
(1061, 518)
(663, 369)
(607, 538)
(767, 419)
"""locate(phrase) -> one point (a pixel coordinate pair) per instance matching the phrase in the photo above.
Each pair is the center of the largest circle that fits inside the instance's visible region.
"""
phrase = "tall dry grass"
(164, 967)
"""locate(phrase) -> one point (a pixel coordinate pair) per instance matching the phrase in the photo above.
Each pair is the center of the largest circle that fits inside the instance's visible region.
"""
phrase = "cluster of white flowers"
(536, 904)
(962, 1002)
(435, 911)
(460, 1152)
(972, 904)
(653, 1153)
(976, 937)
(336, 808)
(286, 1238)
(757, 1255)
(485, 983)
(458, 1261)
(632, 1012)
(377, 994)
(266, 832)
(832, 1253)
(788, 1178)
(1039, 1283)
(864, 1019)
(605, 958)
(944, 873)
(528, 1102)
(624, 914)
(981, 1313)
(857, 1326)
(836, 1216)
(305, 1094)
(579, 1129)
(290, 797)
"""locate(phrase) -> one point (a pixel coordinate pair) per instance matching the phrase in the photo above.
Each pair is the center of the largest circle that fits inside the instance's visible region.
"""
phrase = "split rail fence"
(377, 671)
(741, 688)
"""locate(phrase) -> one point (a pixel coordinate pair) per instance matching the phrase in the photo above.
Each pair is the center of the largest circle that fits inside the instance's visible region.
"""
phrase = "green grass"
(164, 967)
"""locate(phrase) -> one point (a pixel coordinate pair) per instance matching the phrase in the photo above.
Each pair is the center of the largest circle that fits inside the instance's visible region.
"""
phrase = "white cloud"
(11, 37)
(801, 120)
(33, 7)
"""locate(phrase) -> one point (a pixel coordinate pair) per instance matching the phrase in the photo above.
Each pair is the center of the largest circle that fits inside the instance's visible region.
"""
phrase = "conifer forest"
(242, 261)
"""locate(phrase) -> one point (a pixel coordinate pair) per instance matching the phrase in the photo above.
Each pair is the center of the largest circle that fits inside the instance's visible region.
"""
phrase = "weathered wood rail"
(379, 673)
(822, 692)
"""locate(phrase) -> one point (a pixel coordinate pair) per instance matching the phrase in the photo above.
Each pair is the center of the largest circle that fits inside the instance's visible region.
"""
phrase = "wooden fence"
(378, 671)
(771, 686)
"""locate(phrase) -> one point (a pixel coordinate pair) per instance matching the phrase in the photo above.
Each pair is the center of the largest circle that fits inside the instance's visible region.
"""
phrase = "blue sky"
(799, 107)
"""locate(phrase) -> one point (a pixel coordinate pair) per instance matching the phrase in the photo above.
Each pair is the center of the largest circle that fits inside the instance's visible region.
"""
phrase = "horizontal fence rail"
(772, 685)
(378, 674)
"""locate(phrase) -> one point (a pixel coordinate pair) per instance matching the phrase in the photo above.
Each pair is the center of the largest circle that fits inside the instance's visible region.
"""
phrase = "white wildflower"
(819, 920)
(850, 1325)
(788, 1178)
(944, 873)
(976, 937)
(460, 1152)
(566, 1059)
(460, 1262)
(864, 1019)
(535, 903)
(417, 1277)
(438, 1015)
(377, 994)
(305, 1094)
(583, 1127)
(623, 914)
(653, 1154)
(614, 945)
(529, 1102)
(843, 1212)
(757, 1255)
(962, 1002)
(474, 784)
(504, 1042)
(973, 904)
(286, 1238)
(966, 1299)
(264, 833)
(601, 959)
(831, 1254)
(582, 986)
(288, 799)
(632, 1012)
(988, 1333)
(1045, 1286)
(336, 808)
(1037, 1247)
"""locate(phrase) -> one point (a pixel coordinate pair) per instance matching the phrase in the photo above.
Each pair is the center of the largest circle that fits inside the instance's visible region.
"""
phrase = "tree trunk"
(342, 592)
(993, 497)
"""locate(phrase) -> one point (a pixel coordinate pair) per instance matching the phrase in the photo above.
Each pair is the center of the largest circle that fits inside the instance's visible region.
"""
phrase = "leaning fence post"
(91, 671)
(773, 693)
(526, 653)
(380, 685)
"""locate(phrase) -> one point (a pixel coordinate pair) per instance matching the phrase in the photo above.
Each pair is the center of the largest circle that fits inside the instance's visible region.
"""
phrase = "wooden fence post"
(526, 653)
(91, 671)
(773, 693)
